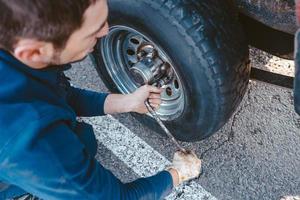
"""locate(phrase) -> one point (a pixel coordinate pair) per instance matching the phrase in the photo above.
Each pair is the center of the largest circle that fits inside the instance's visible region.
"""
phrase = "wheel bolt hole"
(134, 41)
(169, 91)
(176, 84)
(130, 52)
(130, 63)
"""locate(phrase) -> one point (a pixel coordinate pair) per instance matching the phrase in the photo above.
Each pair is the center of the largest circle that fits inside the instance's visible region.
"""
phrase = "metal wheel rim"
(114, 50)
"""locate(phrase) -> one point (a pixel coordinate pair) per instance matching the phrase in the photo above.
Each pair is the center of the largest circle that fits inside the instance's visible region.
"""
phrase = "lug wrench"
(168, 133)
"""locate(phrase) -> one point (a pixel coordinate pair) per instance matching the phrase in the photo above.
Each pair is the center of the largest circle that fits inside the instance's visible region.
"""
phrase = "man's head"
(44, 32)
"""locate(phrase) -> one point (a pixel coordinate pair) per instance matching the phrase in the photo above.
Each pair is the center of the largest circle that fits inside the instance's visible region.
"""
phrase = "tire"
(207, 47)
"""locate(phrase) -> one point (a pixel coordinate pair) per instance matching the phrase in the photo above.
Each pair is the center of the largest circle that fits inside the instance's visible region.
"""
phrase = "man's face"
(82, 41)
(40, 54)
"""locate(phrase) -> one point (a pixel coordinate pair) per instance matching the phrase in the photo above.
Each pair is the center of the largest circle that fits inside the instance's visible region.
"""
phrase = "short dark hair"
(45, 20)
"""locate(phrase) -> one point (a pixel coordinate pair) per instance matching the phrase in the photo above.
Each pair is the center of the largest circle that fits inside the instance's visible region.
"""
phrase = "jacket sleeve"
(55, 165)
(86, 103)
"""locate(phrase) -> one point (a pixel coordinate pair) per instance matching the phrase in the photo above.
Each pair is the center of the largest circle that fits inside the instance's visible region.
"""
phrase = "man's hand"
(135, 102)
(185, 166)
(138, 98)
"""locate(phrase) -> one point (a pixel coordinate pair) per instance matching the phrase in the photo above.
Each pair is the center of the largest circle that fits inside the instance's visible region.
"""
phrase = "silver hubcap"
(132, 59)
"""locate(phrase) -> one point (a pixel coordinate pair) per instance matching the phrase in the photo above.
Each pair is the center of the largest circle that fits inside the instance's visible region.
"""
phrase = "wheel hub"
(150, 68)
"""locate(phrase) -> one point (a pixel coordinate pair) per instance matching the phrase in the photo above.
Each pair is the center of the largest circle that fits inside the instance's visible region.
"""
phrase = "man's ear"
(34, 53)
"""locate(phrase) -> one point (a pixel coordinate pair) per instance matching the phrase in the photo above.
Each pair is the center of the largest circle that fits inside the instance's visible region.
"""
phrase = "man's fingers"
(154, 96)
(154, 89)
(155, 101)
(155, 106)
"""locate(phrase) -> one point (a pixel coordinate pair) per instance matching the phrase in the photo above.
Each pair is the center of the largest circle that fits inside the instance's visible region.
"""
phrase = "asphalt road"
(256, 155)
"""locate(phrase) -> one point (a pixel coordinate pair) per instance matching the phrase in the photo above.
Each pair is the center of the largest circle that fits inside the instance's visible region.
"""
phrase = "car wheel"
(196, 49)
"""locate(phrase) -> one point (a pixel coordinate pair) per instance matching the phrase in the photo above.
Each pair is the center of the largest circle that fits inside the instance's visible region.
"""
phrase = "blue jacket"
(45, 151)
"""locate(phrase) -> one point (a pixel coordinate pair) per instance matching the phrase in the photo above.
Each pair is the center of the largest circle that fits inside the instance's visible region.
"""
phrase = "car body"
(272, 26)
(269, 25)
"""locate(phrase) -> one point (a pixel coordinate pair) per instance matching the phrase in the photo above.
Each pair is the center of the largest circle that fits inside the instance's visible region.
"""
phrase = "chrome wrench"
(168, 133)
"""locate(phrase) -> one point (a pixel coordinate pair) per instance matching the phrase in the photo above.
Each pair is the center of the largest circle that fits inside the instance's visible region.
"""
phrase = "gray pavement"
(256, 155)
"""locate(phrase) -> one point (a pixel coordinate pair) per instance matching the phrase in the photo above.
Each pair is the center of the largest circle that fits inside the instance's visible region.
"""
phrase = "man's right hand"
(185, 166)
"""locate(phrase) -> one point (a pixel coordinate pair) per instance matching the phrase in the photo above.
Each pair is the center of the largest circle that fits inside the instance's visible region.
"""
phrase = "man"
(44, 151)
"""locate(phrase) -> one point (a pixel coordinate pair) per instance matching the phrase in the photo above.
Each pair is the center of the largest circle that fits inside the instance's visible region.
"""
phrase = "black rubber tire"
(207, 45)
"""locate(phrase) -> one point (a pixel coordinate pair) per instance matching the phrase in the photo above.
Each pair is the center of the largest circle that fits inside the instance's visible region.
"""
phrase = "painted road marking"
(139, 156)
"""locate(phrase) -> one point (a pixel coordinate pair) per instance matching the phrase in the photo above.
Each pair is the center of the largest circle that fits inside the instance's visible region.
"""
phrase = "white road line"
(139, 156)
